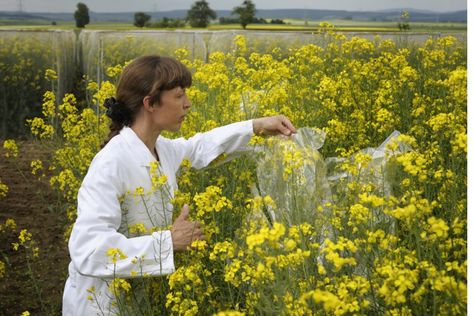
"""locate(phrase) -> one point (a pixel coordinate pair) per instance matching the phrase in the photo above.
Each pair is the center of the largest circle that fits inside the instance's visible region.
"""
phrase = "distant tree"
(81, 15)
(404, 24)
(246, 12)
(141, 19)
(228, 20)
(277, 21)
(168, 23)
(259, 21)
(200, 14)
(165, 22)
(175, 23)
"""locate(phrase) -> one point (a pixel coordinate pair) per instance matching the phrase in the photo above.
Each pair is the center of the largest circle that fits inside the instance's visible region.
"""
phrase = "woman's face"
(170, 112)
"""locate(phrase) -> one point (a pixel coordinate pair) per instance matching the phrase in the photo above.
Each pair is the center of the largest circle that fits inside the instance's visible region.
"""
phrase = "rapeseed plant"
(322, 223)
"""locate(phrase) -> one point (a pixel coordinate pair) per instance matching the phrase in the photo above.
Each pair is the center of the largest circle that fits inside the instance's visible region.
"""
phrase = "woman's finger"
(282, 128)
(199, 237)
(288, 124)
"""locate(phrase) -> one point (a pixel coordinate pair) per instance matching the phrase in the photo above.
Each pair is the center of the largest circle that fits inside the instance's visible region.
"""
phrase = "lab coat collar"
(139, 148)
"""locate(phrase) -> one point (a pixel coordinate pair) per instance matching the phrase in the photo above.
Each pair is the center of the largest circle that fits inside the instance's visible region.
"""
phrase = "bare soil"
(34, 206)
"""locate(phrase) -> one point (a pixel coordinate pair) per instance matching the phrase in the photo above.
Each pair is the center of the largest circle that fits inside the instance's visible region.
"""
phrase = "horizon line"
(380, 10)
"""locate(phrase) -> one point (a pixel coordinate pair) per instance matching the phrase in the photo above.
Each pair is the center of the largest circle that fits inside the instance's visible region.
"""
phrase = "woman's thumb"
(184, 212)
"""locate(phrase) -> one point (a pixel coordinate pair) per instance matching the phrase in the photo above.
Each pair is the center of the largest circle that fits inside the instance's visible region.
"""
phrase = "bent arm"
(96, 232)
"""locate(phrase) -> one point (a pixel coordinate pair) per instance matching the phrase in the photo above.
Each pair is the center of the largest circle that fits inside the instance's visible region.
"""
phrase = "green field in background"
(292, 25)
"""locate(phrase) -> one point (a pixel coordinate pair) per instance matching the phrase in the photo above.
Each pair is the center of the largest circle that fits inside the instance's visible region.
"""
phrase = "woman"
(151, 98)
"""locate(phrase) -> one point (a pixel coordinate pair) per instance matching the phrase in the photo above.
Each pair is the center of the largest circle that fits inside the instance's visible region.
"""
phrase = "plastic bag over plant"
(293, 173)
(301, 182)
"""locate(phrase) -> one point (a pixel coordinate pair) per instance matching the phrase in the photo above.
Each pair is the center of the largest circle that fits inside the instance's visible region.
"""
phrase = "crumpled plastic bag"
(301, 181)
(290, 168)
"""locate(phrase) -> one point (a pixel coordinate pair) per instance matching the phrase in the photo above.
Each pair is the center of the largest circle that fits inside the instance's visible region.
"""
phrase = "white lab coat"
(121, 166)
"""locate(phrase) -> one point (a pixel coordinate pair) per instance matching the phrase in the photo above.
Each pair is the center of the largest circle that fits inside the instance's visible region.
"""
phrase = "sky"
(161, 5)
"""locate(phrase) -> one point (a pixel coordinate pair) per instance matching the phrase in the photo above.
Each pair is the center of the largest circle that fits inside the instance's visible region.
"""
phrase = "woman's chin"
(174, 129)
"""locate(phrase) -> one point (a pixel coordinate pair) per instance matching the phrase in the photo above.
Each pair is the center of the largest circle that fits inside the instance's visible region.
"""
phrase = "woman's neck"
(147, 134)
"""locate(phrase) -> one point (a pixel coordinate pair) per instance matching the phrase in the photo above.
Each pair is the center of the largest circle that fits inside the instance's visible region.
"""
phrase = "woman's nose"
(187, 103)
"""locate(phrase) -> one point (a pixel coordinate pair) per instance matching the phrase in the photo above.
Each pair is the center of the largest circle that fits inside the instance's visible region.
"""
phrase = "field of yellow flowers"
(325, 223)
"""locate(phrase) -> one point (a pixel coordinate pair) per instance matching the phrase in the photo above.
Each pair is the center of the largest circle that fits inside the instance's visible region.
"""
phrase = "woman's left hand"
(273, 125)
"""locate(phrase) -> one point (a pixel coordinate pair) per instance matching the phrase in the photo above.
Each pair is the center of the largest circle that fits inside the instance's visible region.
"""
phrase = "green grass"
(292, 25)
(70, 25)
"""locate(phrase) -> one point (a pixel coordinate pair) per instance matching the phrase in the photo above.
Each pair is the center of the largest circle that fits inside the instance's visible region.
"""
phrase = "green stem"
(35, 284)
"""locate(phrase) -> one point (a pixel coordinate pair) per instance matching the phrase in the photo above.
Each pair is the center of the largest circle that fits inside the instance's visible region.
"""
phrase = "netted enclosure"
(25, 57)
(103, 49)
(33, 62)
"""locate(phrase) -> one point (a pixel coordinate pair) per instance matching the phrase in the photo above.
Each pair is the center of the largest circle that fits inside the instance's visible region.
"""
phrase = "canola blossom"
(347, 217)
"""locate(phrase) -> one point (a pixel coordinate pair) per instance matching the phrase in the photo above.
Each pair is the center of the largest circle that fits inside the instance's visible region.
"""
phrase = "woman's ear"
(147, 104)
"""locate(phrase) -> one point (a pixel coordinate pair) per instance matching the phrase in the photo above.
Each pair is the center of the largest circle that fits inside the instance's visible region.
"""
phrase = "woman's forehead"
(177, 89)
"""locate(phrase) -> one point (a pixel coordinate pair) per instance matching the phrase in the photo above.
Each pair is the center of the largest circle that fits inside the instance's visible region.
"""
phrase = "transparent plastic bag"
(301, 181)
(293, 173)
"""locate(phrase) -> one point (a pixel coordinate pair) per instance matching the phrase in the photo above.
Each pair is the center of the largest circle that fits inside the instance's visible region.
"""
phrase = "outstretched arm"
(203, 148)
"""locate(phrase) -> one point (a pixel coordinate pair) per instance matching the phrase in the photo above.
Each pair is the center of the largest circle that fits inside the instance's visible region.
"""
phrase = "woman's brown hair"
(144, 76)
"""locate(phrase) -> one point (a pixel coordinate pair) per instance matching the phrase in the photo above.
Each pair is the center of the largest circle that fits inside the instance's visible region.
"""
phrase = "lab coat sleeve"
(203, 148)
(95, 232)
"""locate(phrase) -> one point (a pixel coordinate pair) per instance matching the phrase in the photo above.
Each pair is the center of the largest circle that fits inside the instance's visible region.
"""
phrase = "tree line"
(199, 15)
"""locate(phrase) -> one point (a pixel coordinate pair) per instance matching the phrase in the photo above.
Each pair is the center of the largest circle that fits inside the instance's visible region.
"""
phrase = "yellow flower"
(49, 104)
(50, 75)
(240, 45)
(11, 148)
(329, 300)
(106, 90)
(137, 229)
(116, 254)
(332, 253)
(255, 240)
(36, 166)
(114, 71)
(10, 223)
(229, 313)
(222, 250)
(24, 236)
(92, 86)
(117, 286)
(211, 201)
(256, 140)
(269, 201)
(162, 179)
(186, 163)
(139, 191)
(292, 160)
(2, 269)
(40, 129)
(373, 200)
(3, 189)
(414, 164)
(359, 213)
(290, 244)
(459, 143)
(438, 227)
(230, 273)
(158, 180)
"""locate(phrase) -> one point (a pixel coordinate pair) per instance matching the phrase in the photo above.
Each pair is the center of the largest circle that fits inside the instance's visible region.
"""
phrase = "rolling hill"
(385, 15)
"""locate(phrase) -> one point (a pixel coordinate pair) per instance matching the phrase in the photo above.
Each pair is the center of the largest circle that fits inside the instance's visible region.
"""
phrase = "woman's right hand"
(184, 232)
